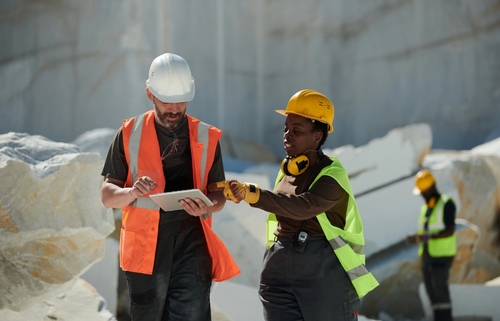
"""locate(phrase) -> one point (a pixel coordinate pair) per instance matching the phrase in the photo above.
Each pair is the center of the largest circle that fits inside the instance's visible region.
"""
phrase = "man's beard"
(161, 118)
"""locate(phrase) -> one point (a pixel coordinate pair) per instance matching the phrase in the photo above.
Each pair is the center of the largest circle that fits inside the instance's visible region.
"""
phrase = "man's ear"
(149, 94)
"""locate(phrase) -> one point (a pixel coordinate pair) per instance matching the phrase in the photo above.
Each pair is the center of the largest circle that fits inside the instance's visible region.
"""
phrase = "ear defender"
(294, 166)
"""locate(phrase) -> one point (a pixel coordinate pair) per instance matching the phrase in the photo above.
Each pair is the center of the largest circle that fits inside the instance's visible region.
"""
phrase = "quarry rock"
(52, 224)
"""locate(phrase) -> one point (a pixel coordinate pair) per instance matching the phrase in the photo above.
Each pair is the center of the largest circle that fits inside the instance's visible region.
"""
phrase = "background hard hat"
(170, 79)
(311, 104)
(423, 181)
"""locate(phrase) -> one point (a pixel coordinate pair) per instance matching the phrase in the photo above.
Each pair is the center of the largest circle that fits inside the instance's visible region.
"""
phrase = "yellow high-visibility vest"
(442, 247)
(348, 243)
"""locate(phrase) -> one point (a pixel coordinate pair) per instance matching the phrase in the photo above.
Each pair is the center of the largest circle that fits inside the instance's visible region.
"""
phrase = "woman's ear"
(318, 136)
(149, 94)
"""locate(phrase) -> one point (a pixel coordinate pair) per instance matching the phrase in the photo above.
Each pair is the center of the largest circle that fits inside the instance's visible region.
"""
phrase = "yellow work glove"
(236, 191)
(250, 192)
(225, 188)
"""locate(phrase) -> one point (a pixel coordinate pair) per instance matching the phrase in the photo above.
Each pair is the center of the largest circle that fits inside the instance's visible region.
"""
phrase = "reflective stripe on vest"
(347, 243)
(352, 262)
(140, 219)
(133, 148)
(203, 139)
(441, 247)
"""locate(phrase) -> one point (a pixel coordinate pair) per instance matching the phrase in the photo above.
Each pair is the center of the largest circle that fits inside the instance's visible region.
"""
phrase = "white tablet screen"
(170, 201)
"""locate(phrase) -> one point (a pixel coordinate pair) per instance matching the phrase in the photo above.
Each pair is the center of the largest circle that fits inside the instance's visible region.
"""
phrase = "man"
(437, 239)
(169, 258)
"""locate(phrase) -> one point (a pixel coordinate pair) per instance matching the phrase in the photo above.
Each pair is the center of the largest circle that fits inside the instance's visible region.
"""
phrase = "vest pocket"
(127, 239)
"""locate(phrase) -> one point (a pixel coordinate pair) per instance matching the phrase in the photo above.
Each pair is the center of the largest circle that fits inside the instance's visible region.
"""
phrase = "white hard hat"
(170, 79)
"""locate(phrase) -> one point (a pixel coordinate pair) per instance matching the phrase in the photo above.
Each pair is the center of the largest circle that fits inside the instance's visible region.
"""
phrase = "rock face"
(399, 62)
(52, 223)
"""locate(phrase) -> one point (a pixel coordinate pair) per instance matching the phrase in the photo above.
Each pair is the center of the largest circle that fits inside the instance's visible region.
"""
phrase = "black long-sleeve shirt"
(296, 206)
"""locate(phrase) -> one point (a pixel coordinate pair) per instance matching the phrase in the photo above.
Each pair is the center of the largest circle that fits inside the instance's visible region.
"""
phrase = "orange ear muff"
(294, 166)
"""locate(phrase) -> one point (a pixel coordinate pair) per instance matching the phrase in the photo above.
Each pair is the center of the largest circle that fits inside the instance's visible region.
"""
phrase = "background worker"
(437, 239)
(169, 258)
(314, 221)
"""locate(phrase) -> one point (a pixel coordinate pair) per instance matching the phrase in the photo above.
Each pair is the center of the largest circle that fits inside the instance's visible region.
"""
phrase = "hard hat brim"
(186, 97)
(285, 113)
(416, 191)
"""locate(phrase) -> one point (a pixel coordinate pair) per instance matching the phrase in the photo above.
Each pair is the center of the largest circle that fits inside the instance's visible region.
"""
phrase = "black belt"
(289, 238)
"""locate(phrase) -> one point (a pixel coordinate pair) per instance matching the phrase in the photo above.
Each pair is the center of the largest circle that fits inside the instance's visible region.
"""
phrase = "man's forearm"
(114, 196)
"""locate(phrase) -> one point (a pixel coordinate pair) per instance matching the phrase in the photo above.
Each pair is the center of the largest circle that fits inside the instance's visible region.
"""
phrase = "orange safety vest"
(140, 219)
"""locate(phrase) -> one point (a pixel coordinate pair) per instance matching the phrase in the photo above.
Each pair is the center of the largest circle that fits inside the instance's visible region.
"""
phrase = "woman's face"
(298, 136)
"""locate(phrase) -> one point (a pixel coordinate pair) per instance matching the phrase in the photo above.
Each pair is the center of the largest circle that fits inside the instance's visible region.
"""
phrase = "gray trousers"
(436, 272)
(306, 286)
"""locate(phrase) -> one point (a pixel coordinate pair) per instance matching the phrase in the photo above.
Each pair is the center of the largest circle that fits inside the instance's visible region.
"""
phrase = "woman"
(309, 271)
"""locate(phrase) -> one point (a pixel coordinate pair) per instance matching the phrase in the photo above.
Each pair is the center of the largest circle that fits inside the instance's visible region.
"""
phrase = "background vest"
(441, 247)
(348, 243)
(139, 233)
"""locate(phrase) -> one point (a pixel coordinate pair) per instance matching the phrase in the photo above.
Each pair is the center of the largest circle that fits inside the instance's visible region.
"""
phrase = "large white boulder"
(381, 174)
(79, 302)
(52, 224)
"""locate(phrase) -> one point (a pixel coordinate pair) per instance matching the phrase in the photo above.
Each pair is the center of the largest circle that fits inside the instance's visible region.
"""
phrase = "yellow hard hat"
(423, 181)
(311, 104)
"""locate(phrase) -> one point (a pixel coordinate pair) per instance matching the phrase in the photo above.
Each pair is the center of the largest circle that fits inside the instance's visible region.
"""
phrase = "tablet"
(170, 201)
